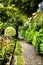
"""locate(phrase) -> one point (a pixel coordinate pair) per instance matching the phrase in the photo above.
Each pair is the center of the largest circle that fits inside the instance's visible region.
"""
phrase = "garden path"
(30, 55)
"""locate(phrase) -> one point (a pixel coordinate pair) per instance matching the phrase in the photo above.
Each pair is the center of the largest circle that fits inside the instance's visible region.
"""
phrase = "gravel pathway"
(30, 55)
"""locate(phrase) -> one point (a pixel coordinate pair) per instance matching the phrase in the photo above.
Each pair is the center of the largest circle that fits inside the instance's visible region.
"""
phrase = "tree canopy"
(27, 6)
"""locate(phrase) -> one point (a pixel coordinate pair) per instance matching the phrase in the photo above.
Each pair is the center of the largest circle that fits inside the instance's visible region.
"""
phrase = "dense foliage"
(6, 49)
(11, 19)
(27, 6)
(13, 14)
(34, 39)
(33, 32)
(30, 36)
(38, 41)
(10, 16)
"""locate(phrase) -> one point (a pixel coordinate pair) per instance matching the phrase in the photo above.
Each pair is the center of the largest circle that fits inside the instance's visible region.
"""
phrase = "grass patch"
(18, 52)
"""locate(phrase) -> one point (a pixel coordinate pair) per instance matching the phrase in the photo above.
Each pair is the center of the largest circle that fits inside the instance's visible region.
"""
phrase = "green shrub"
(29, 36)
(41, 48)
(38, 41)
(41, 41)
(10, 31)
(23, 33)
(34, 39)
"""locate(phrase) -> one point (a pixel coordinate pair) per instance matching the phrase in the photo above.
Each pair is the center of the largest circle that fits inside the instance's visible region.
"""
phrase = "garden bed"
(6, 50)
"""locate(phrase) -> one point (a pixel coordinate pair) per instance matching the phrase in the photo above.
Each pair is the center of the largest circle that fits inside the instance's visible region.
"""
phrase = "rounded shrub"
(10, 31)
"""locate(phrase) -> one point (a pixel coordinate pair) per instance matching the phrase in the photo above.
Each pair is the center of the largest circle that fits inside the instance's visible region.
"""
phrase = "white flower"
(1, 4)
(34, 14)
(39, 5)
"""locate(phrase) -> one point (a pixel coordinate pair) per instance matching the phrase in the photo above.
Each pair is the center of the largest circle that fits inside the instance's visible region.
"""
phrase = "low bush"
(29, 36)
(38, 41)
(34, 39)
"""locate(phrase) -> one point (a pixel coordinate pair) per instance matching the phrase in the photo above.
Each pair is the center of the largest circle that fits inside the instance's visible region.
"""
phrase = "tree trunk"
(17, 32)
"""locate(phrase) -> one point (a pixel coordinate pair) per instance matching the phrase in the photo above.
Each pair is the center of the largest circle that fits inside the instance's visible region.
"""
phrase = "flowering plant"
(41, 6)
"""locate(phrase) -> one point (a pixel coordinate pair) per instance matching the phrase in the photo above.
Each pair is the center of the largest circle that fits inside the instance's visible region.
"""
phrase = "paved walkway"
(30, 55)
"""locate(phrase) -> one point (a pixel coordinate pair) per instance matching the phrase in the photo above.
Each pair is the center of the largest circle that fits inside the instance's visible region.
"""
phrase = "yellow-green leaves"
(10, 31)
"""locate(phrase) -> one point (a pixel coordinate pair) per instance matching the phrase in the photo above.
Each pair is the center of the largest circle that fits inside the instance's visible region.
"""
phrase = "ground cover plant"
(18, 53)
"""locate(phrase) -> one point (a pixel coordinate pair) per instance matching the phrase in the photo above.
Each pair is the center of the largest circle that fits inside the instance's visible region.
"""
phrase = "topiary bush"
(10, 31)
